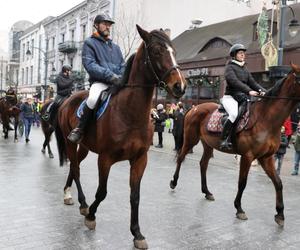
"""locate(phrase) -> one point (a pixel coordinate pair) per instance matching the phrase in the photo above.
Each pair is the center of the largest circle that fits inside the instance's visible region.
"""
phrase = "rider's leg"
(77, 133)
(231, 106)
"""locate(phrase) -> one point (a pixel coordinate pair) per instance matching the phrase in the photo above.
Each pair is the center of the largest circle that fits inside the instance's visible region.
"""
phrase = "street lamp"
(293, 29)
(28, 53)
(279, 71)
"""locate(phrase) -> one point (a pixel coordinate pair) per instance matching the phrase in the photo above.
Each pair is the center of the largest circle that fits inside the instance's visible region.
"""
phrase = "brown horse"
(47, 129)
(8, 109)
(259, 141)
(124, 131)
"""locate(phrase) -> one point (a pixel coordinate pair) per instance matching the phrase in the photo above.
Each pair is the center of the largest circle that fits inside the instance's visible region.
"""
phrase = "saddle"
(219, 116)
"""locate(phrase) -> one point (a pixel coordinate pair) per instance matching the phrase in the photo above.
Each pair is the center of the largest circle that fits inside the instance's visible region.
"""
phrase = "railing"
(67, 47)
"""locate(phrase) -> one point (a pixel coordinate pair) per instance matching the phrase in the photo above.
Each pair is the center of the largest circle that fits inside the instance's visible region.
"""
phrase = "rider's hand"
(116, 80)
(262, 93)
(253, 93)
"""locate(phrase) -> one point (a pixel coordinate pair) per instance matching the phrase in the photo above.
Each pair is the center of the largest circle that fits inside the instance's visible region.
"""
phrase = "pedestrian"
(288, 129)
(178, 117)
(28, 115)
(279, 155)
(160, 123)
(64, 85)
(297, 151)
(240, 85)
(104, 63)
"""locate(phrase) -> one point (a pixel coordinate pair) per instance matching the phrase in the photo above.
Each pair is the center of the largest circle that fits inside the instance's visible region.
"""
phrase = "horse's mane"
(128, 67)
(276, 88)
(162, 36)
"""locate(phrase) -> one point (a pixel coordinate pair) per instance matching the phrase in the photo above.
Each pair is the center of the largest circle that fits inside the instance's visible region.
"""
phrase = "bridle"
(160, 81)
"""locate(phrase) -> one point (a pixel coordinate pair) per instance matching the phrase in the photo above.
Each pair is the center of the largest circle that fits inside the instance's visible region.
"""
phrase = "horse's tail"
(61, 145)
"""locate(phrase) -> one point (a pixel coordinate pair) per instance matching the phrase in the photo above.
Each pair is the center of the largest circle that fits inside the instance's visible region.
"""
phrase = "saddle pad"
(215, 125)
(100, 110)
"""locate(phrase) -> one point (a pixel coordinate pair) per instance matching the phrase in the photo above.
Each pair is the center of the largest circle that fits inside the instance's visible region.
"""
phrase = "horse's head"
(160, 60)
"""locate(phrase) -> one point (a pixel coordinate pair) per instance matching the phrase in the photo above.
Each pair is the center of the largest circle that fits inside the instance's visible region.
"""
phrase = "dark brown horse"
(47, 129)
(259, 141)
(8, 109)
(124, 131)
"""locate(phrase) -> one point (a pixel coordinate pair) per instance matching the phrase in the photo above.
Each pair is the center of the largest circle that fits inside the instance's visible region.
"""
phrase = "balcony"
(67, 47)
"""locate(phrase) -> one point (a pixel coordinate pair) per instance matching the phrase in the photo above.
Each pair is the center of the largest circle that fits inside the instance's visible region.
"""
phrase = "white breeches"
(231, 106)
(94, 93)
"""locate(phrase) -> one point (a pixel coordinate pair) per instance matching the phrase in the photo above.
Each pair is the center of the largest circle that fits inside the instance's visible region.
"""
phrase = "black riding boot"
(77, 133)
(226, 135)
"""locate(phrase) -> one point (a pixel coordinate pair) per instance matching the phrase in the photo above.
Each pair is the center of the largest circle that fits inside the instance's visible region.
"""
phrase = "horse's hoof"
(68, 201)
(140, 244)
(91, 224)
(43, 151)
(210, 197)
(51, 155)
(172, 185)
(241, 216)
(279, 220)
(84, 211)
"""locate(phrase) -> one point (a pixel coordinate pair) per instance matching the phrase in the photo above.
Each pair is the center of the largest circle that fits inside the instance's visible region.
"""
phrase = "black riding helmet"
(235, 48)
(104, 17)
(66, 67)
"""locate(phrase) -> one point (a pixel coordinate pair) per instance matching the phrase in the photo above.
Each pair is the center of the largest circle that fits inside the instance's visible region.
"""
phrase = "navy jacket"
(102, 59)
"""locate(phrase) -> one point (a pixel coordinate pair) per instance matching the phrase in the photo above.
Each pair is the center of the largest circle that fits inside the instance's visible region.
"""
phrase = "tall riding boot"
(226, 135)
(76, 134)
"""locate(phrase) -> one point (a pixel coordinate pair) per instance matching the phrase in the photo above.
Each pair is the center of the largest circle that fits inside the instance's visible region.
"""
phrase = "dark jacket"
(178, 117)
(160, 121)
(239, 81)
(102, 59)
(283, 145)
(64, 85)
(27, 110)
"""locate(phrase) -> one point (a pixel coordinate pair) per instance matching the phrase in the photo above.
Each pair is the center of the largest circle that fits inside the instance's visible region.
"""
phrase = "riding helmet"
(104, 17)
(235, 48)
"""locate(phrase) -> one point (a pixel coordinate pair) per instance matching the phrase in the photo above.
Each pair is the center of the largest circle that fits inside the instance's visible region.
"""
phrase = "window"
(53, 42)
(26, 77)
(62, 38)
(32, 47)
(23, 76)
(24, 52)
(31, 75)
(72, 35)
(83, 33)
(71, 61)
(17, 76)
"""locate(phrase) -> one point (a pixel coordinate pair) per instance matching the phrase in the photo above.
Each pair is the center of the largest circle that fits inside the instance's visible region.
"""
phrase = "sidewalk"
(219, 157)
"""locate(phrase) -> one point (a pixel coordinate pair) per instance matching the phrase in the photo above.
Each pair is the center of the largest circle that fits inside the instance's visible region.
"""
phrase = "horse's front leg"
(104, 165)
(207, 154)
(268, 165)
(245, 164)
(138, 166)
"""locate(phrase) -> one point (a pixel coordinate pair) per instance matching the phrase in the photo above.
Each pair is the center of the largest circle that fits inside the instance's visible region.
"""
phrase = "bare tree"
(125, 32)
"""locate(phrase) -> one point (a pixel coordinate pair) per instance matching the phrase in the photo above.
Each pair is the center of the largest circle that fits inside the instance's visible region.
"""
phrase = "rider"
(240, 84)
(104, 63)
(64, 90)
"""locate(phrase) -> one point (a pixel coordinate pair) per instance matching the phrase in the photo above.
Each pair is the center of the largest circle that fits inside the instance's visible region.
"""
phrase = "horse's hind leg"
(207, 154)
(74, 174)
(104, 165)
(269, 167)
(245, 164)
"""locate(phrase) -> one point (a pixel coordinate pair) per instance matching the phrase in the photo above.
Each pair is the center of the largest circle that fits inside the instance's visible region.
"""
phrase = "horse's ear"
(295, 67)
(143, 33)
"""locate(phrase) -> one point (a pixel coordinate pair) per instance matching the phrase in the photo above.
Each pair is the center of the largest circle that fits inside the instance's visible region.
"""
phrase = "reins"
(277, 97)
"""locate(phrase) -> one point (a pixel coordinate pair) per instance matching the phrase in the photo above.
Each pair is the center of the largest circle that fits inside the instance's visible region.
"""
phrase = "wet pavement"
(33, 216)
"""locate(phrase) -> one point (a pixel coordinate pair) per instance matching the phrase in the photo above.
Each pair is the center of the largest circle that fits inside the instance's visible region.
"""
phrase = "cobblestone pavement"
(33, 216)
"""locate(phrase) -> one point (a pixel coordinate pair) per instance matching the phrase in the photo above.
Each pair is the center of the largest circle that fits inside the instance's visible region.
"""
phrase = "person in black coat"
(178, 117)
(240, 85)
(281, 150)
(159, 123)
(64, 90)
